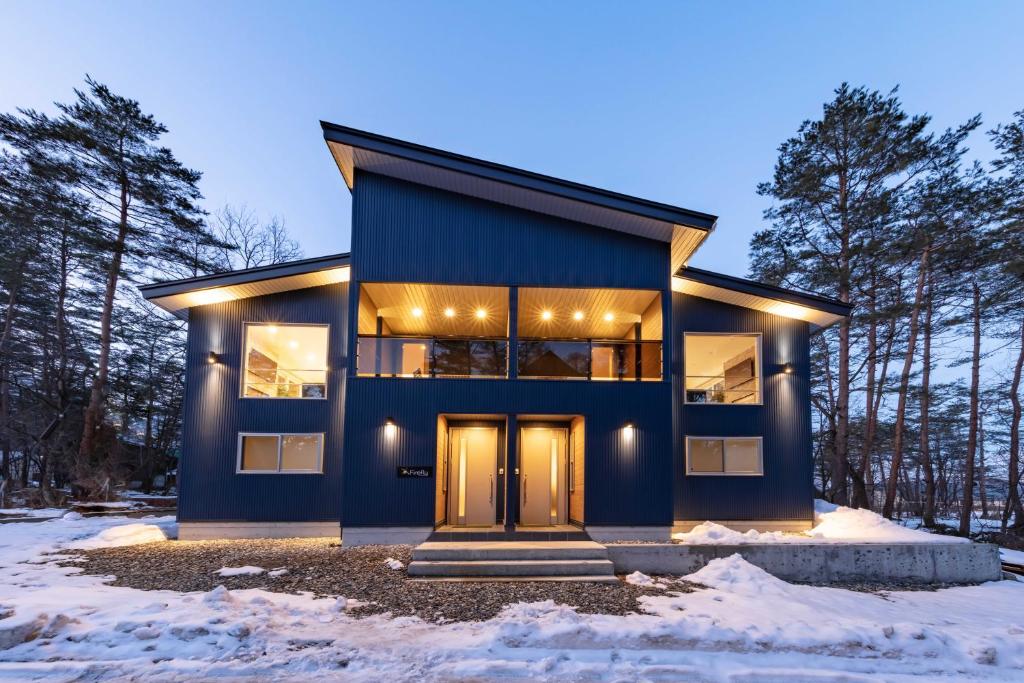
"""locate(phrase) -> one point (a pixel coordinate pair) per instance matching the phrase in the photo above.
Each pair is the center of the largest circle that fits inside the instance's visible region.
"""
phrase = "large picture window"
(723, 455)
(280, 453)
(722, 368)
(285, 361)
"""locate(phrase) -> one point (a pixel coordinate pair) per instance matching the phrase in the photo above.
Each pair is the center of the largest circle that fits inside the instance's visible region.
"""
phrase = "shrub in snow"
(247, 570)
(392, 563)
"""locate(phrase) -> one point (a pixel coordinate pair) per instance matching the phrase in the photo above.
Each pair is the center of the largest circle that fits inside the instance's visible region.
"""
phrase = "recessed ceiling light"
(481, 313)
(578, 315)
(449, 312)
(417, 312)
(293, 344)
(608, 317)
(272, 329)
(545, 315)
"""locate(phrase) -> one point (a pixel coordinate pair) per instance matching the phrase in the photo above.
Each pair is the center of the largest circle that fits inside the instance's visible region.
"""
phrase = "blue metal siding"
(214, 414)
(407, 232)
(784, 420)
(627, 483)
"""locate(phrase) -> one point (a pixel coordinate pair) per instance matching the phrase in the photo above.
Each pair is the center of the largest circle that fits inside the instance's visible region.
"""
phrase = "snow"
(115, 537)
(747, 626)
(1014, 556)
(247, 570)
(638, 578)
(32, 512)
(392, 563)
(832, 524)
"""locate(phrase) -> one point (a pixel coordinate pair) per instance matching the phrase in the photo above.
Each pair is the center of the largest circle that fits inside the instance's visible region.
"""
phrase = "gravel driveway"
(324, 568)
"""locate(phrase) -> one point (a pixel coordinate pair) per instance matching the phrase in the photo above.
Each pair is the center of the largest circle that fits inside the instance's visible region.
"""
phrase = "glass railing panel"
(586, 359)
(554, 358)
(431, 357)
(719, 389)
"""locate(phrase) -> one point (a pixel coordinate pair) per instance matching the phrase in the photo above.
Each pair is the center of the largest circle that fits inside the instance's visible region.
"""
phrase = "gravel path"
(324, 568)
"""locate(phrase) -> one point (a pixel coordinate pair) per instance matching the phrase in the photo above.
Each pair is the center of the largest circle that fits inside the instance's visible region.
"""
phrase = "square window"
(300, 452)
(285, 361)
(259, 453)
(743, 456)
(722, 368)
(280, 453)
(706, 455)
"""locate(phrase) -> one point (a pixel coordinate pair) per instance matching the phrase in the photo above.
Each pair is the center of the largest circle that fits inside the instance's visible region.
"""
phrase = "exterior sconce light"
(212, 358)
(788, 368)
(627, 430)
(390, 428)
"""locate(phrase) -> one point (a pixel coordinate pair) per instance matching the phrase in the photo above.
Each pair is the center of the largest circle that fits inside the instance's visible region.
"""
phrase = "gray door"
(542, 480)
(472, 458)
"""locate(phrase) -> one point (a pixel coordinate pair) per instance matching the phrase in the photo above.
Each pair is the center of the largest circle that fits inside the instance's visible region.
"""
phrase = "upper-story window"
(285, 361)
(722, 368)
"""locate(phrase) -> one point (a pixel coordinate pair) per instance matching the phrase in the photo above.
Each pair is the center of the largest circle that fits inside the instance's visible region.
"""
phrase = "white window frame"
(245, 361)
(280, 444)
(724, 439)
(758, 359)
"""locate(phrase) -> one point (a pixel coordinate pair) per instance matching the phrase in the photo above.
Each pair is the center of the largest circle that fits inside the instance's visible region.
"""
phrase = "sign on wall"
(418, 472)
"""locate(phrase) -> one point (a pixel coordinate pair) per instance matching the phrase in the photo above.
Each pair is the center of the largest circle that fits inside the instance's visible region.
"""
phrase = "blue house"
(502, 355)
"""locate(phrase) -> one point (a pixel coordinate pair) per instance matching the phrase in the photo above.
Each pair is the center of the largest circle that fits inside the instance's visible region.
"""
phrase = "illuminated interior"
(722, 368)
(285, 361)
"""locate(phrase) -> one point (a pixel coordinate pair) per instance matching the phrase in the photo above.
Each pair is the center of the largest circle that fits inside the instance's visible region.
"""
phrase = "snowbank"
(128, 534)
(832, 524)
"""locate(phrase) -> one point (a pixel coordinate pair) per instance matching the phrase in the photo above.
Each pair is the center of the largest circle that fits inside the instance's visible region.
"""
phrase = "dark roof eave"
(157, 290)
(815, 301)
(518, 177)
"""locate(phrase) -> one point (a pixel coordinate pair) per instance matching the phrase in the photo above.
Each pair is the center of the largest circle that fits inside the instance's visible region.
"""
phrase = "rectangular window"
(287, 453)
(722, 368)
(285, 361)
(724, 455)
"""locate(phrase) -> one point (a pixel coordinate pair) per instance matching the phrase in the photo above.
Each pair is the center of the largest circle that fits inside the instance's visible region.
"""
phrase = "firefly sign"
(421, 472)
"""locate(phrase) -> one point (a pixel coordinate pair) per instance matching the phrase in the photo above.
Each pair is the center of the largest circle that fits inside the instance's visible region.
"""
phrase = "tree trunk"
(862, 474)
(982, 494)
(1013, 503)
(967, 506)
(901, 407)
(928, 512)
(94, 412)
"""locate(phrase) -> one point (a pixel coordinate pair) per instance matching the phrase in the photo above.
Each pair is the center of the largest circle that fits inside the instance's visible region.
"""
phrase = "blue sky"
(679, 102)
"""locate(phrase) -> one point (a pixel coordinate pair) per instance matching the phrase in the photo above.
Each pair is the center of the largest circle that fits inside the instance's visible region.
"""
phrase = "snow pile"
(736, 575)
(832, 524)
(835, 522)
(392, 563)
(115, 537)
(280, 571)
(638, 578)
(247, 570)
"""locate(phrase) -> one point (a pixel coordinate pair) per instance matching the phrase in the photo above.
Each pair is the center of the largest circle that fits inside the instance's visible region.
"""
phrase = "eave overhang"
(178, 296)
(354, 149)
(819, 311)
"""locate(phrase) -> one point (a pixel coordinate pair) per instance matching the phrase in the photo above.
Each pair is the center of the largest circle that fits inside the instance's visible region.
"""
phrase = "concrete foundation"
(608, 534)
(207, 531)
(743, 525)
(825, 562)
(384, 535)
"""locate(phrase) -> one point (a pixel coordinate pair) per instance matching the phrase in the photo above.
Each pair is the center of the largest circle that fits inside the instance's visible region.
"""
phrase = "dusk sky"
(683, 103)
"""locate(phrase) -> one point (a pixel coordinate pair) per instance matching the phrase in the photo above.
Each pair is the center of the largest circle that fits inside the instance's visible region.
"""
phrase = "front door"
(472, 458)
(542, 481)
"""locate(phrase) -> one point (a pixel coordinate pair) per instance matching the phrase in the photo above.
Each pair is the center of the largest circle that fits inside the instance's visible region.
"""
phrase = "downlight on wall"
(788, 368)
(390, 428)
(212, 358)
(628, 431)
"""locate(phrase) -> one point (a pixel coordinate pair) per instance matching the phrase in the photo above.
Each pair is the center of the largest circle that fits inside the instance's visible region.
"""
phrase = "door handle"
(491, 486)
(525, 488)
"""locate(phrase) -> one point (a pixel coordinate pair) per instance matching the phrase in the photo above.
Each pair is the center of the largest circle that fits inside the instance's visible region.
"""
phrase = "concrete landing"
(564, 560)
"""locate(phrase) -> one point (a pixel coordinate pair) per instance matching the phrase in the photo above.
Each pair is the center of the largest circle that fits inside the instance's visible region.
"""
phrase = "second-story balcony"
(461, 331)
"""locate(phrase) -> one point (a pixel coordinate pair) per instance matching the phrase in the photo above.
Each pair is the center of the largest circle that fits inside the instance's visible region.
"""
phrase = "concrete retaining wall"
(824, 562)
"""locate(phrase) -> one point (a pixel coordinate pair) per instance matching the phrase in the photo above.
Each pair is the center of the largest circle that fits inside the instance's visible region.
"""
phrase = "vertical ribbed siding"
(214, 414)
(412, 233)
(783, 421)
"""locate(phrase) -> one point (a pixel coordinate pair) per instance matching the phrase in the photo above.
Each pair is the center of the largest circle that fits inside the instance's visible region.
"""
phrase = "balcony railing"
(432, 357)
(722, 389)
(593, 359)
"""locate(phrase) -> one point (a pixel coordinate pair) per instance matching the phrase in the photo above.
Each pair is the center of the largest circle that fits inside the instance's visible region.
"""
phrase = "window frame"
(758, 359)
(245, 360)
(724, 439)
(280, 445)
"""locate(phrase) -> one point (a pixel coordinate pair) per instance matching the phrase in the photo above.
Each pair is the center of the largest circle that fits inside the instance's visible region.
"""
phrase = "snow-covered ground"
(746, 627)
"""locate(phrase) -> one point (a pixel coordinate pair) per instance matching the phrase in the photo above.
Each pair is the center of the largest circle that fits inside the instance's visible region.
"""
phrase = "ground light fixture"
(390, 428)
(212, 358)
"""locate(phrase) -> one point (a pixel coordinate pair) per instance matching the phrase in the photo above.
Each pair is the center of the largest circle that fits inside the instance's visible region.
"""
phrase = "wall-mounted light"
(788, 368)
(212, 358)
(390, 428)
(627, 430)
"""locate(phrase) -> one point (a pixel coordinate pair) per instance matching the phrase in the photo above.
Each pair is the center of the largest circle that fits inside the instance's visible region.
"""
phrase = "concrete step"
(601, 578)
(494, 568)
(510, 550)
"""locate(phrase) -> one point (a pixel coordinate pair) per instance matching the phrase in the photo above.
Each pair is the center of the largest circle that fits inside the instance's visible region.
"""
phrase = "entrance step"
(515, 579)
(519, 560)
